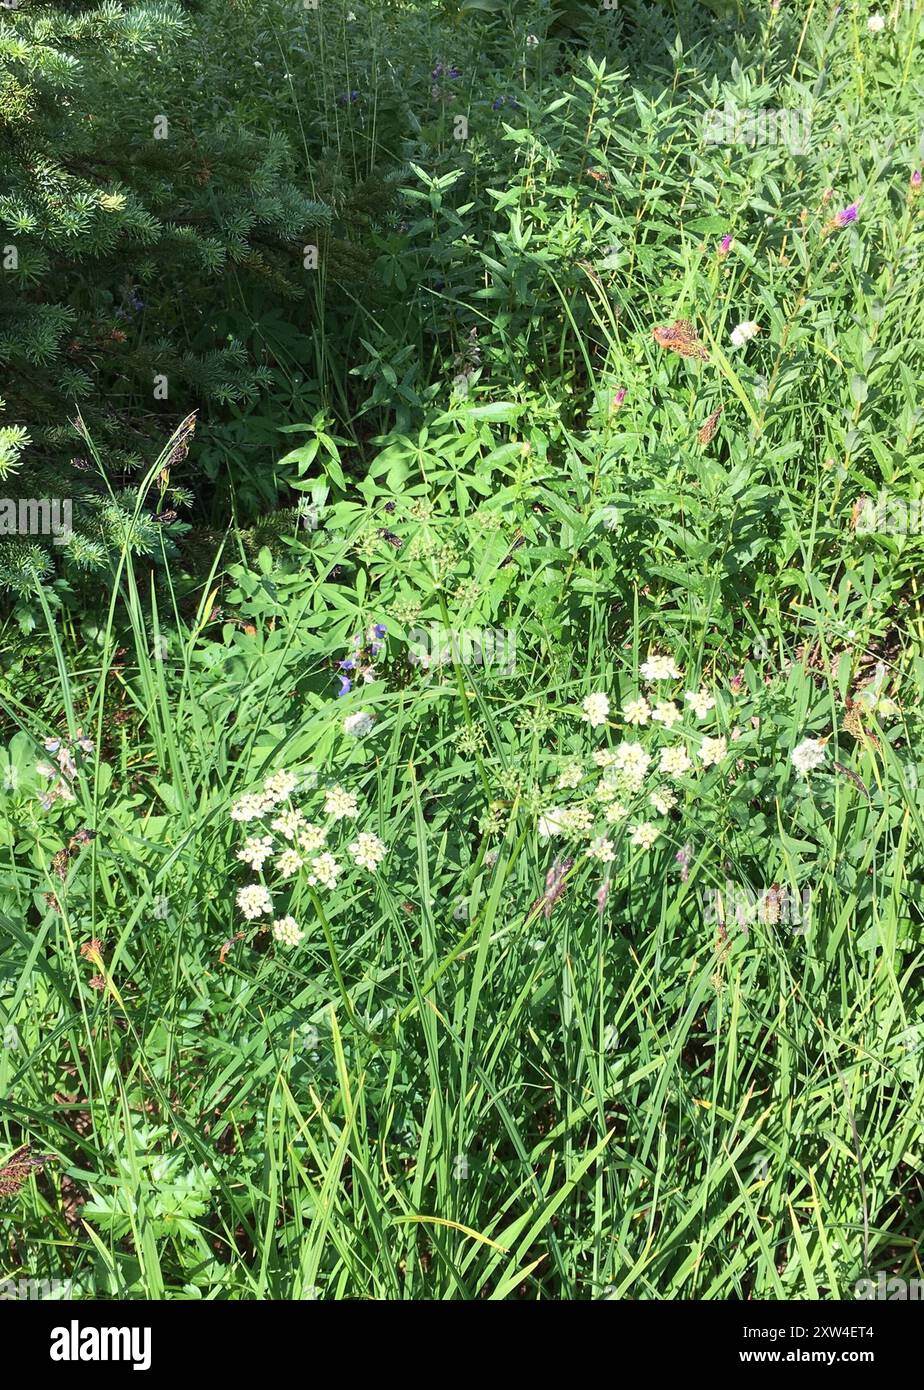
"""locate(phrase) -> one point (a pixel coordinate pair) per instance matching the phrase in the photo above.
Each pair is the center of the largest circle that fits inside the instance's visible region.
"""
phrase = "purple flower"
(555, 885)
(847, 215)
(618, 399)
(346, 685)
(497, 103)
(454, 72)
(682, 857)
(916, 180)
(348, 665)
(725, 244)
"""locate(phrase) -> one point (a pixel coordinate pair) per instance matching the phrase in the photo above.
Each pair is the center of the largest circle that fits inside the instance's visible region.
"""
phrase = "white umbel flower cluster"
(808, 755)
(596, 709)
(659, 668)
(254, 901)
(324, 871)
(257, 849)
(340, 804)
(743, 333)
(287, 931)
(367, 851)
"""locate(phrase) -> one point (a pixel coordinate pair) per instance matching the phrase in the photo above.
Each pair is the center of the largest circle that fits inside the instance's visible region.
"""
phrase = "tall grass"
(446, 1091)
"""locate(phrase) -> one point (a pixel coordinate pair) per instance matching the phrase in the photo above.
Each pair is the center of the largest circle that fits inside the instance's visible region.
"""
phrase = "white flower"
(254, 901)
(875, 24)
(596, 709)
(674, 762)
(663, 800)
(531, 40)
(359, 724)
(287, 931)
(570, 776)
(616, 812)
(288, 863)
(643, 836)
(289, 823)
(339, 803)
(45, 770)
(712, 751)
(251, 806)
(636, 711)
(604, 757)
(367, 851)
(257, 849)
(576, 821)
(324, 871)
(659, 668)
(809, 754)
(311, 837)
(280, 786)
(666, 713)
(551, 822)
(743, 333)
(631, 763)
(602, 849)
(605, 790)
(700, 702)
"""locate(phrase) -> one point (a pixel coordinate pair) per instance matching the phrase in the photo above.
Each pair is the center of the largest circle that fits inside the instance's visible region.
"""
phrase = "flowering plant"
(287, 851)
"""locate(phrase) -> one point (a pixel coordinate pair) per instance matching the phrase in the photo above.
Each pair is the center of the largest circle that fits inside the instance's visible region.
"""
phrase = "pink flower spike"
(725, 245)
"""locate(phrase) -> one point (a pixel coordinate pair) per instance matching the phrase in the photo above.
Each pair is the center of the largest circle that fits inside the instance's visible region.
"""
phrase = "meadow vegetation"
(460, 801)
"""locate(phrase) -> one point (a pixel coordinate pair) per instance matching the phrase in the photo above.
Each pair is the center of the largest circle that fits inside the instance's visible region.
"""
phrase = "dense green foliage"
(612, 986)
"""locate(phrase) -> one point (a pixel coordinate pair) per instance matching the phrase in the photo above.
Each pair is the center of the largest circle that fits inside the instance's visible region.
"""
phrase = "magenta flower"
(916, 181)
(618, 399)
(847, 215)
(725, 245)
